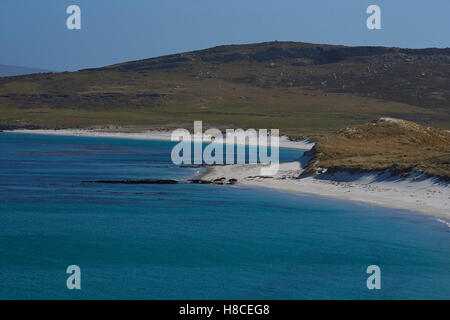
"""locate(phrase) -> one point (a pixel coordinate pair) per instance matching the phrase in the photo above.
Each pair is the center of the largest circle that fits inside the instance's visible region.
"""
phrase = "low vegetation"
(386, 144)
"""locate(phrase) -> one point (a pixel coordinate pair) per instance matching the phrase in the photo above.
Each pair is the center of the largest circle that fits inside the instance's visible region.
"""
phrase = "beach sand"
(417, 193)
(285, 142)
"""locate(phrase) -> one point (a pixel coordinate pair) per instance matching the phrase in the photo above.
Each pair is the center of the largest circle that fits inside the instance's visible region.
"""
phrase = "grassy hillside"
(303, 89)
(399, 145)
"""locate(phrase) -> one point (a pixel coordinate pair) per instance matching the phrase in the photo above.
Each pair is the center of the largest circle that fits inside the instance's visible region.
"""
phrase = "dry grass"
(399, 145)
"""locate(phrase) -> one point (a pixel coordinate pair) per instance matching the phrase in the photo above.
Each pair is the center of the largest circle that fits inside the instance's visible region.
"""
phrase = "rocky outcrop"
(137, 181)
(218, 181)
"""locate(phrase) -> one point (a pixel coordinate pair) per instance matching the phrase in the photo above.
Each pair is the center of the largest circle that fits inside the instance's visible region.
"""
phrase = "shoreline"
(417, 194)
(424, 196)
(285, 141)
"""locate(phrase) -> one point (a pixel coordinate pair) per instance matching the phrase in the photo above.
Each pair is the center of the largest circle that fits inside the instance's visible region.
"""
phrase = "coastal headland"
(388, 162)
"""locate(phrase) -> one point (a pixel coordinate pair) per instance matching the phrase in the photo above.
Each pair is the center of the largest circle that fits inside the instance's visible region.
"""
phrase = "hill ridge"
(301, 88)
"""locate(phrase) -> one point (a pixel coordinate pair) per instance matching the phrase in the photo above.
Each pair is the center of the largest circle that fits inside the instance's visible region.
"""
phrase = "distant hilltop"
(302, 53)
(301, 88)
(7, 71)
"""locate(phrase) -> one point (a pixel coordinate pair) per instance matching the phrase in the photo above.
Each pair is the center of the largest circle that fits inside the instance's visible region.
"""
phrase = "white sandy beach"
(285, 142)
(416, 193)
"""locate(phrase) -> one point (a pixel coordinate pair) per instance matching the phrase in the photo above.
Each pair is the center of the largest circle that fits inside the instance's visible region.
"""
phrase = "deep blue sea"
(189, 241)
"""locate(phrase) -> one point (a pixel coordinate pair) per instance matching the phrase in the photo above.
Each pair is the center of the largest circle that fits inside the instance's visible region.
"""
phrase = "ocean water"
(189, 241)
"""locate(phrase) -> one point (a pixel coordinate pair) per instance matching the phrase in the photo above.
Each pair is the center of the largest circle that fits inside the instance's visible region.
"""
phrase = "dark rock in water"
(200, 181)
(219, 181)
(141, 181)
(232, 181)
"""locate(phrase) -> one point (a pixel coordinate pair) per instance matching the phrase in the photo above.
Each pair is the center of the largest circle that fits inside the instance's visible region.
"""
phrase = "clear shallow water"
(190, 241)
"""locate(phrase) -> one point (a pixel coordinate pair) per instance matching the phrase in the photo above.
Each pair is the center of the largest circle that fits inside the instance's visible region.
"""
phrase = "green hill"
(303, 89)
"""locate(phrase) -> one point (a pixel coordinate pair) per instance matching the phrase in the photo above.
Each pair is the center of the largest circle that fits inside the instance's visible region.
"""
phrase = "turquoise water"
(189, 241)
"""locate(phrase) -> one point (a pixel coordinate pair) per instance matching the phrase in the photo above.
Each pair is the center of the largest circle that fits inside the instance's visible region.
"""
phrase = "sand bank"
(285, 142)
(417, 193)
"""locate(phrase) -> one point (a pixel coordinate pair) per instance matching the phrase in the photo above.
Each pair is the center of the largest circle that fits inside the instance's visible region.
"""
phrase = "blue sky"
(34, 33)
